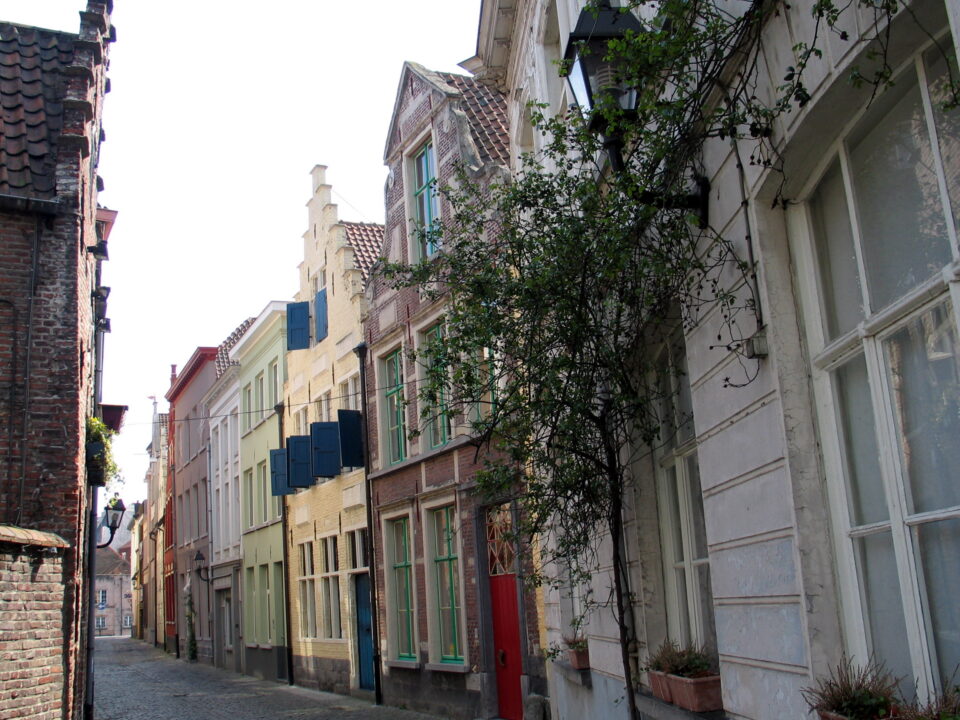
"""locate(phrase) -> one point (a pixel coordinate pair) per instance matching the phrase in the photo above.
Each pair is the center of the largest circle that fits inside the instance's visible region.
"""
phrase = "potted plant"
(662, 661)
(942, 707)
(100, 464)
(852, 692)
(695, 682)
(578, 653)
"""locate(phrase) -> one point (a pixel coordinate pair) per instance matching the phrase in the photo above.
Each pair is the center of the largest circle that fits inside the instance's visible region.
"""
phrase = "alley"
(135, 680)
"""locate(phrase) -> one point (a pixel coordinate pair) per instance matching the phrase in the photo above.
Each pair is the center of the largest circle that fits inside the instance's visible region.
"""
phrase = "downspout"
(278, 409)
(361, 351)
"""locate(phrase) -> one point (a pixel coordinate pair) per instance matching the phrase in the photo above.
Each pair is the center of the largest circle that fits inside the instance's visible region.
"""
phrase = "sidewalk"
(135, 681)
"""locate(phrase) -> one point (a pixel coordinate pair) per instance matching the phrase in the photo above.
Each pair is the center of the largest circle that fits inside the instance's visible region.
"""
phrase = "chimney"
(173, 373)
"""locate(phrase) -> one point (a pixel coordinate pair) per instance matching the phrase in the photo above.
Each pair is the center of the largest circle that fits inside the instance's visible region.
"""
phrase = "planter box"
(660, 685)
(696, 694)
(579, 659)
(830, 715)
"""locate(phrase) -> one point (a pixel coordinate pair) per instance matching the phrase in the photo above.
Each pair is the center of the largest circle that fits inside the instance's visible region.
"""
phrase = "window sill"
(447, 667)
(653, 707)
(402, 664)
(453, 444)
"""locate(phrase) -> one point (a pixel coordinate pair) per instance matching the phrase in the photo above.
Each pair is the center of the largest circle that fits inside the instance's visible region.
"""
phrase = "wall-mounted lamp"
(200, 565)
(112, 516)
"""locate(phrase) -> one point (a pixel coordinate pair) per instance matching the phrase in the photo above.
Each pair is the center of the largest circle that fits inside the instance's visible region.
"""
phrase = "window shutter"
(298, 451)
(298, 325)
(278, 473)
(325, 449)
(320, 312)
(351, 437)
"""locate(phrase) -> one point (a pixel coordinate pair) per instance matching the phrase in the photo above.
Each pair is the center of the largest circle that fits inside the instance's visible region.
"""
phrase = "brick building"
(52, 238)
(459, 635)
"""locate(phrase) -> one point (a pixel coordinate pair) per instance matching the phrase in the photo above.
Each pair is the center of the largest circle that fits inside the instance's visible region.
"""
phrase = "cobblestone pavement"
(135, 681)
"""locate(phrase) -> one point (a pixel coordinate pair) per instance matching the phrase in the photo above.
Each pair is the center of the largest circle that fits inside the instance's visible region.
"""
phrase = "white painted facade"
(830, 505)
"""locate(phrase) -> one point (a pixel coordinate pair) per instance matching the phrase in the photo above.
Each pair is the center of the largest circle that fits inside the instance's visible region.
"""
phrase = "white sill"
(403, 664)
(448, 667)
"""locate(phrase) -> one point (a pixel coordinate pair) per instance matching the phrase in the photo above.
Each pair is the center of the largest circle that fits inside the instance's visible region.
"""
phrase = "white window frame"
(428, 510)
(330, 621)
(866, 341)
(307, 589)
(387, 518)
(417, 251)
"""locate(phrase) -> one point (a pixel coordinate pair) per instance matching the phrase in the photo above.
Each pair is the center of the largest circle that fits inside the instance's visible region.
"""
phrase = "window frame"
(424, 159)
(394, 420)
(330, 625)
(436, 561)
(866, 342)
(436, 417)
(402, 626)
(307, 590)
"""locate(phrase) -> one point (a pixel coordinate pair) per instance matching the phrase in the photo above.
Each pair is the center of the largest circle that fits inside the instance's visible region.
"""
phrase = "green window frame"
(438, 409)
(403, 585)
(447, 567)
(395, 407)
(425, 199)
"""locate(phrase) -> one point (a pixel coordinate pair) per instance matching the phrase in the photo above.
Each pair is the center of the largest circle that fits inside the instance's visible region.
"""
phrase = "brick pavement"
(135, 681)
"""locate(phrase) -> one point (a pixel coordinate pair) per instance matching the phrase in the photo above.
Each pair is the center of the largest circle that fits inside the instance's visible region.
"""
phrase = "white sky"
(218, 111)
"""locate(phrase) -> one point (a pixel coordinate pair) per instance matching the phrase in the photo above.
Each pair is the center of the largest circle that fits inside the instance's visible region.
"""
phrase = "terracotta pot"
(697, 694)
(830, 715)
(660, 685)
(579, 659)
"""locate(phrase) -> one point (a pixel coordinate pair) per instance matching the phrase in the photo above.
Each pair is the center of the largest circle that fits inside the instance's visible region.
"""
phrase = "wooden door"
(364, 632)
(506, 614)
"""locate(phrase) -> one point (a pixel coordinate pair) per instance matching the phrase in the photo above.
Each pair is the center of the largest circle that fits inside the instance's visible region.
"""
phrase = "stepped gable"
(366, 239)
(32, 87)
(486, 110)
(222, 361)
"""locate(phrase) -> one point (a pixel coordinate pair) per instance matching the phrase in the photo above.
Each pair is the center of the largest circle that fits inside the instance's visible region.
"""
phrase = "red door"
(506, 614)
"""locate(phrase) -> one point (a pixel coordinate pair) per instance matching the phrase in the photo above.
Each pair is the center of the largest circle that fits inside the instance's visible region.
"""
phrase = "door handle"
(502, 657)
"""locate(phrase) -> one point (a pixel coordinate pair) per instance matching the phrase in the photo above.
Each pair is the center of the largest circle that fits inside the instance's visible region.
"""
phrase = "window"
(425, 199)
(250, 605)
(307, 588)
(357, 548)
(686, 566)
(395, 408)
(446, 581)
(263, 490)
(330, 587)
(264, 603)
(437, 413)
(260, 398)
(101, 597)
(274, 383)
(127, 621)
(301, 422)
(325, 408)
(101, 622)
(247, 406)
(882, 223)
(400, 587)
(350, 394)
(248, 513)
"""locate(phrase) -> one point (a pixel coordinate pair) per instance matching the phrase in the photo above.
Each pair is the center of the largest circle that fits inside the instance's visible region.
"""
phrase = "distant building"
(53, 237)
(113, 596)
(329, 581)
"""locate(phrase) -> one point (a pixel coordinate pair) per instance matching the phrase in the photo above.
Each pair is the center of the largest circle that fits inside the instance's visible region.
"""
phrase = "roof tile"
(366, 239)
(222, 362)
(486, 110)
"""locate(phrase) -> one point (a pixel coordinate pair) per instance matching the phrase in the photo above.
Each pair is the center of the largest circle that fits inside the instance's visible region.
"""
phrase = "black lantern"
(112, 516)
(590, 73)
(200, 565)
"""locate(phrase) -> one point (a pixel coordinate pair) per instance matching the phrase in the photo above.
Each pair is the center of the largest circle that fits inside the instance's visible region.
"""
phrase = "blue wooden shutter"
(351, 437)
(298, 451)
(320, 313)
(298, 325)
(278, 473)
(325, 449)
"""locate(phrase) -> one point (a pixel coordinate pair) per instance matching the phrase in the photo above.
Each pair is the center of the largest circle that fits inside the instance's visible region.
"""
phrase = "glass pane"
(682, 614)
(705, 597)
(671, 512)
(836, 257)
(898, 198)
(939, 545)
(861, 457)
(924, 383)
(696, 508)
(947, 124)
(880, 589)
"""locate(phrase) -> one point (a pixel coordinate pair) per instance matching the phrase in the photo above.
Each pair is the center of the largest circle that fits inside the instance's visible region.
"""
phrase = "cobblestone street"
(137, 681)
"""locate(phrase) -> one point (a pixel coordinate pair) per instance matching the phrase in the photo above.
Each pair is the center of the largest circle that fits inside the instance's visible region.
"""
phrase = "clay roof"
(110, 562)
(366, 239)
(223, 361)
(32, 82)
(486, 110)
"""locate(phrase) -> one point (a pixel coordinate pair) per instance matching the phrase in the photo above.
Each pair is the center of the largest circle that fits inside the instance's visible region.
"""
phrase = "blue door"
(364, 631)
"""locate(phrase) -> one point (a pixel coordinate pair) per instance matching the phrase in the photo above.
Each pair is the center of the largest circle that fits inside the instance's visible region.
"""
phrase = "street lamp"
(592, 74)
(112, 515)
(199, 564)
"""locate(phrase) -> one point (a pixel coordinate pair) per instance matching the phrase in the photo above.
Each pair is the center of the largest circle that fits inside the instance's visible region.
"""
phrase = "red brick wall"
(31, 634)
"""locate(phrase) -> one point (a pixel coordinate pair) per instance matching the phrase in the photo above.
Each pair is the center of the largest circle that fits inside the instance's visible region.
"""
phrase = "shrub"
(859, 693)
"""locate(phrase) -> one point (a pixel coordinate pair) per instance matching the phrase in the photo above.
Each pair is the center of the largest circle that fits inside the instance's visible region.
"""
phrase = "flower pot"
(660, 685)
(579, 659)
(700, 694)
(827, 715)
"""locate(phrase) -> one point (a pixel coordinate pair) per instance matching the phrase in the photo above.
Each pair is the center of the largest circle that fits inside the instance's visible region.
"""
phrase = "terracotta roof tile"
(366, 239)
(31, 108)
(222, 362)
(110, 562)
(486, 110)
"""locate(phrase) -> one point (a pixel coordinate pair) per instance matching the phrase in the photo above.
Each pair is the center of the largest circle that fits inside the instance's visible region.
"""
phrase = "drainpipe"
(278, 409)
(361, 351)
